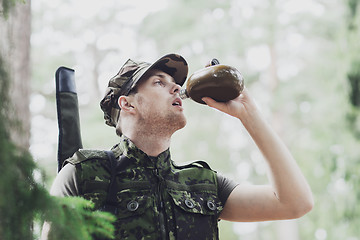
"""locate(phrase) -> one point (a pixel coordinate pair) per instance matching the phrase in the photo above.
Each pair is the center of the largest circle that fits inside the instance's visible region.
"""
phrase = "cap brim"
(172, 64)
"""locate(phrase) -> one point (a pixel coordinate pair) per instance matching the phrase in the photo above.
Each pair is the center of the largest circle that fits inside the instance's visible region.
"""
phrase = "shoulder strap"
(82, 155)
(111, 198)
(203, 164)
(110, 203)
(198, 163)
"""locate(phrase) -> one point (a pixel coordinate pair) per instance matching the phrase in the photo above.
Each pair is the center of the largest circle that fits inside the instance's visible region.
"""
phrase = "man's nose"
(176, 88)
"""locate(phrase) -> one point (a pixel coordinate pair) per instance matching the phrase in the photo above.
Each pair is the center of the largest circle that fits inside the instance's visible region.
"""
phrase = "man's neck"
(151, 144)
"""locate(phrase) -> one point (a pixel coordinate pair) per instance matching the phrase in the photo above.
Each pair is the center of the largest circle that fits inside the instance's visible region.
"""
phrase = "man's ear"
(125, 104)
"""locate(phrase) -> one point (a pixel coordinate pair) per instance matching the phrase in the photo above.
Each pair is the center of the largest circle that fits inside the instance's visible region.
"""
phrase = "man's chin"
(184, 124)
(180, 123)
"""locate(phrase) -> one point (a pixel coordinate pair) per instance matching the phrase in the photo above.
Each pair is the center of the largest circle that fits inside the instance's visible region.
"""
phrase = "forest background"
(300, 60)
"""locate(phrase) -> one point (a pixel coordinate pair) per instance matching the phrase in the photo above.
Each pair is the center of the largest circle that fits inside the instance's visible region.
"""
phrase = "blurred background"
(300, 60)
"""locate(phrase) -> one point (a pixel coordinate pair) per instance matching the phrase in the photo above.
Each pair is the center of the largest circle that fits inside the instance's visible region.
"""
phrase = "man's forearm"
(287, 179)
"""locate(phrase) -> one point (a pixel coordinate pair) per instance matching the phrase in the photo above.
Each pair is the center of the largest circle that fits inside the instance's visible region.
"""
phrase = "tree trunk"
(15, 49)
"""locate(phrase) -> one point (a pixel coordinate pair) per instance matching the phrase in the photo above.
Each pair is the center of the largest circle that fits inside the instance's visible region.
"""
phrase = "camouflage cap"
(129, 75)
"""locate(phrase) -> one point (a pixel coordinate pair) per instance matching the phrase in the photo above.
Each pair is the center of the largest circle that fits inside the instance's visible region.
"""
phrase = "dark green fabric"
(155, 198)
(69, 126)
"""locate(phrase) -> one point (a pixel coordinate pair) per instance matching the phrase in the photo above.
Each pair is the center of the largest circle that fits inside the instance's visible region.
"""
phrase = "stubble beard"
(162, 124)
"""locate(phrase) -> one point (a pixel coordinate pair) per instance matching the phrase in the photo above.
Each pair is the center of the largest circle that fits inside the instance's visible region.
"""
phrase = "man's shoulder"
(83, 155)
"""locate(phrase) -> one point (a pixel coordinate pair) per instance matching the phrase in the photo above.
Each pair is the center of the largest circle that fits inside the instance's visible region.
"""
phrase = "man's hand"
(236, 107)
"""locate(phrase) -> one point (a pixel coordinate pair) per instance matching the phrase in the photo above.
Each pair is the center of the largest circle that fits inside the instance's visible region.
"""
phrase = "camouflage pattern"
(156, 198)
(129, 75)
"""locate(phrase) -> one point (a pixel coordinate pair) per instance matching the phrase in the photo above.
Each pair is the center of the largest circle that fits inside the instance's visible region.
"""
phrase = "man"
(155, 198)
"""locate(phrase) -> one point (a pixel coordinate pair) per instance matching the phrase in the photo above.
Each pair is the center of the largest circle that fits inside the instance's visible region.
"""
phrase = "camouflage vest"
(156, 199)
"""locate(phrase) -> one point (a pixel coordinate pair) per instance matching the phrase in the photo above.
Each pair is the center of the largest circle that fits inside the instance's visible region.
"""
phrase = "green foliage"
(4, 101)
(71, 218)
(353, 75)
(7, 5)
(353, 5)
(21, 197)
(354, 83)
(24, 198)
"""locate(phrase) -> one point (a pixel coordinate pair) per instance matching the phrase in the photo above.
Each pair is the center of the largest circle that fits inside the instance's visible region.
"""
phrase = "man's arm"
(289, 195)
(65, 184)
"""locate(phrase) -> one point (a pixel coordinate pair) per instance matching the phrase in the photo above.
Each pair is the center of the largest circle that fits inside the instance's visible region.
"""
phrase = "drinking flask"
(219, 82)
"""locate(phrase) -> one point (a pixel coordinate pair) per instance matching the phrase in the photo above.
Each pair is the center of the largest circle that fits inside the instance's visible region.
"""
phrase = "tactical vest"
(156, 199)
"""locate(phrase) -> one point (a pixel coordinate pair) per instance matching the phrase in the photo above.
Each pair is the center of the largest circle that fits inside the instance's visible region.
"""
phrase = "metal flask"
(219, 82)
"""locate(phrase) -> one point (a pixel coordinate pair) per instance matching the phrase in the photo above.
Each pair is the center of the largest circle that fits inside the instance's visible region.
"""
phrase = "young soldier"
(155, 198)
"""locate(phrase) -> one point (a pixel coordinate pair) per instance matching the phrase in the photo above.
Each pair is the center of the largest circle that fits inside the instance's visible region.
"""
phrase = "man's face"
(158, 103)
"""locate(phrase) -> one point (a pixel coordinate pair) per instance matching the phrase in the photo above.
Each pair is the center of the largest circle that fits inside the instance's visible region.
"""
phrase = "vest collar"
(127, 148)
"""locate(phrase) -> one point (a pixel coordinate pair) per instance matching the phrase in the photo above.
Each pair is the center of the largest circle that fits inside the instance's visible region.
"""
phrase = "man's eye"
(159, 82)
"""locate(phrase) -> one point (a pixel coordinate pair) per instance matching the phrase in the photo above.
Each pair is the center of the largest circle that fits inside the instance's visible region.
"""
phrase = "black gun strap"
(110, 204)
(111, 200)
